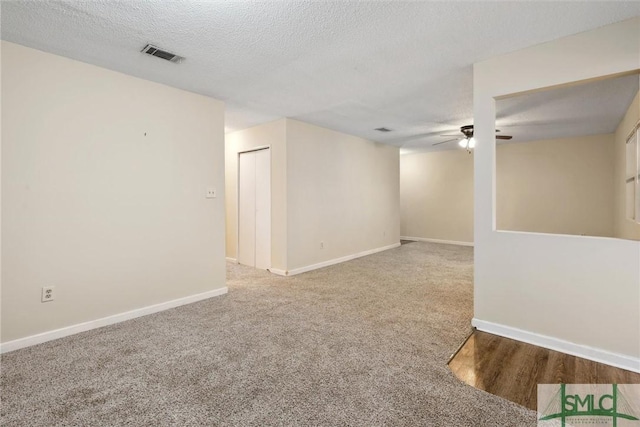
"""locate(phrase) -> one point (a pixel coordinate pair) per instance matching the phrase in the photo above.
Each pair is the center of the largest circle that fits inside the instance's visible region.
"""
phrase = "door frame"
(250, 150)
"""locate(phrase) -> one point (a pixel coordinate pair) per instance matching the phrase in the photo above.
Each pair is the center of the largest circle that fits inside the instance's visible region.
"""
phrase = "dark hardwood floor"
(513, 369)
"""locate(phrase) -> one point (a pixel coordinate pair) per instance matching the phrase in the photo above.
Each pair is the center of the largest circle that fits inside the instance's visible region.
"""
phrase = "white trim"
(106, 321)
(446, 242)
(233, 260)
(339, 260)
(596, 354)
(278, 271)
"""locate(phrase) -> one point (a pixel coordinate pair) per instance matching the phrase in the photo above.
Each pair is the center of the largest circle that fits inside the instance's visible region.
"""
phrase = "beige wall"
(273, 135)
(574, 293)
(558, 186)
(114, 219)
(342, 190)
(436, 195)
(327, 187)
(623, 227)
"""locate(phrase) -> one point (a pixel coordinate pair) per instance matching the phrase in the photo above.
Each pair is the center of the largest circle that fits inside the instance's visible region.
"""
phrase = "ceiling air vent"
(156, 51)
(383, 129)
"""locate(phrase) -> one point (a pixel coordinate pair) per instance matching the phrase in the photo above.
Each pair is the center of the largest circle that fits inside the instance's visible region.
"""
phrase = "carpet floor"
(362, 343)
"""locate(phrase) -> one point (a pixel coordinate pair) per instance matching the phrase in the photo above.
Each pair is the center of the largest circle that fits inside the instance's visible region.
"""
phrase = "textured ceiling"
(347, 65)
(587, 109)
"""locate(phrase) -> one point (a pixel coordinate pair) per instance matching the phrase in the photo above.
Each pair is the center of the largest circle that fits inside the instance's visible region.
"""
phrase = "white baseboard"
(446, 242)
(338, 260)
(598, 355)
(278, 271)
(106, 321)
(233, 260)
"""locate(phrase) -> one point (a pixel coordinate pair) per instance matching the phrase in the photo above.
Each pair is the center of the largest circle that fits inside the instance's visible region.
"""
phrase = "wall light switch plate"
(211, 193)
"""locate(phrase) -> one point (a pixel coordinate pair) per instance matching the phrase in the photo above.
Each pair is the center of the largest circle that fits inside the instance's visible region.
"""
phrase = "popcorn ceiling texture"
(363, 343)
(346, 65)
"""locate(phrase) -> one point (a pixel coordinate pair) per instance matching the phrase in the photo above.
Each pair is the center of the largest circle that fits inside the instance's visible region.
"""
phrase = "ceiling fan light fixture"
(468, 142)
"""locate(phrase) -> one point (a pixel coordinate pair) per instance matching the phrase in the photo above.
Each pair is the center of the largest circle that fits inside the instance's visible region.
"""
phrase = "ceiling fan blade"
(503, 137)
(443, 142)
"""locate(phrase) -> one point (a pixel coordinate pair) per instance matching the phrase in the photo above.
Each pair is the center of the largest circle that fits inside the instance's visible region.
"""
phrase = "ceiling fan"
(467, 141)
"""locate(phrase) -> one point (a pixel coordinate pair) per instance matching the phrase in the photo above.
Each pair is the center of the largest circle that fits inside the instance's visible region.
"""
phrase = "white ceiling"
(593, 108)
(348, 65)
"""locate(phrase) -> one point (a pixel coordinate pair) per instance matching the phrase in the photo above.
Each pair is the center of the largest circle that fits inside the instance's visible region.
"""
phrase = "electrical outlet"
(211, 193)
(321, 245)
(48, 294)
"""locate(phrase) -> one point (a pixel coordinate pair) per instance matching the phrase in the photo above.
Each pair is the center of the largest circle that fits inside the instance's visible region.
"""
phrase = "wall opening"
(572, 165)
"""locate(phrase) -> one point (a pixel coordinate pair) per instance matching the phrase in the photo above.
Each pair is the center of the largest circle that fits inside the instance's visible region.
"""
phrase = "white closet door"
(263, 209)
(247, 209)
(254, 209)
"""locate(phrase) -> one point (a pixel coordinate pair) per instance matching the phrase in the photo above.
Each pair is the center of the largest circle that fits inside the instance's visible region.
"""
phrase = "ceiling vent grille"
(383, 129)
(157, 52)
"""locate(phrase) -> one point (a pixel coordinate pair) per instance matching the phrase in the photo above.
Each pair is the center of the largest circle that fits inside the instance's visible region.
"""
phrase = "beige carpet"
(363, 343)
